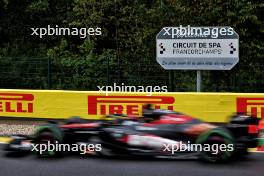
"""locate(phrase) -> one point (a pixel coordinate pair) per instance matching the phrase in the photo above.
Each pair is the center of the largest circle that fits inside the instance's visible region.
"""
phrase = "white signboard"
(197, 48)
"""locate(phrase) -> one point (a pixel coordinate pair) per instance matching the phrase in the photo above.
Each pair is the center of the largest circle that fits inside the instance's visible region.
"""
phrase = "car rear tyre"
(215, 155)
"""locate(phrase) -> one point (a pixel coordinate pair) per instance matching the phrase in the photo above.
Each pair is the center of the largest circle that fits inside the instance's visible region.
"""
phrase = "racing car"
(159, 133)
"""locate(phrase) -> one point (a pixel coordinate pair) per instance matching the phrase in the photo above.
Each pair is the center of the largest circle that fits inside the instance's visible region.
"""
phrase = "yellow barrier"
(5, 140)
(212, 107)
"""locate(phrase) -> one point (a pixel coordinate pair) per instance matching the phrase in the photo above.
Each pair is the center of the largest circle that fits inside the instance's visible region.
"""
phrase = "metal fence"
(44, 73)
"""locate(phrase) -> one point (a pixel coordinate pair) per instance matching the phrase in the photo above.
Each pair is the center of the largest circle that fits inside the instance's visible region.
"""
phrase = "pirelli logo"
(254, 106)
(16, 103)
(131, 105)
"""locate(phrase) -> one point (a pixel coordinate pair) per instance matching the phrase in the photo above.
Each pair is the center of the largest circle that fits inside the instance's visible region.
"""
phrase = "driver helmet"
(148, 109)
(149, 113)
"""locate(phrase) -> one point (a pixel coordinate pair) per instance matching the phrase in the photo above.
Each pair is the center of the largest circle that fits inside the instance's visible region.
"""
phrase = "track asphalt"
(30, 165)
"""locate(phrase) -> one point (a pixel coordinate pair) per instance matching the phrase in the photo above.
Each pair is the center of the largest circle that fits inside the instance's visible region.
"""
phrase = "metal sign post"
(197, 48)
(198, 80)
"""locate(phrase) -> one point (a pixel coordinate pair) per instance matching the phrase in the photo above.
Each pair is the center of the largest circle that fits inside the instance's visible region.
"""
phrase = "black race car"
(160, 133)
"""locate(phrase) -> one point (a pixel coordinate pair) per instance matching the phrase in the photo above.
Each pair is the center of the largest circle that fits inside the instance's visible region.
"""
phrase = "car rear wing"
(244, 119)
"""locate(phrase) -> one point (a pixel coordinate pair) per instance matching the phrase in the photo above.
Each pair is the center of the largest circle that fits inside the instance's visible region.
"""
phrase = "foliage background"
(125, 53)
